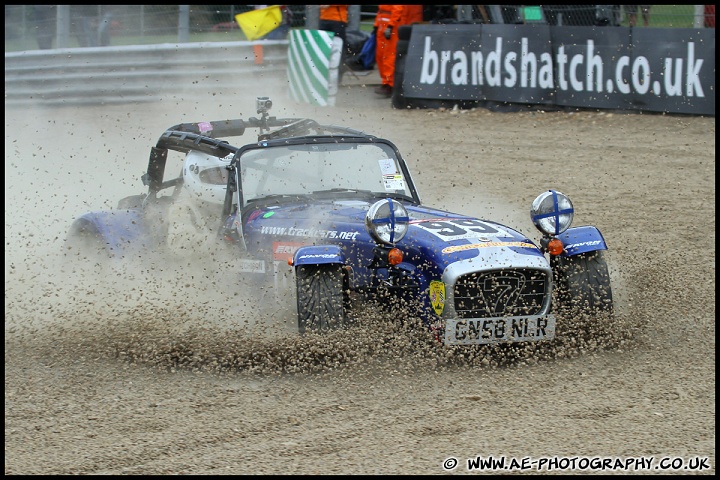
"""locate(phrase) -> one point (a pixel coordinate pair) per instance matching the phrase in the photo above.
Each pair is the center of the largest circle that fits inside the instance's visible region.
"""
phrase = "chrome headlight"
(387, 221)
(552, 212)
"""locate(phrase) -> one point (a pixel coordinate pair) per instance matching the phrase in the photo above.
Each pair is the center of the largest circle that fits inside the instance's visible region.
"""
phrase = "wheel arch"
(577, 240)
(116, 229)
(318, 255)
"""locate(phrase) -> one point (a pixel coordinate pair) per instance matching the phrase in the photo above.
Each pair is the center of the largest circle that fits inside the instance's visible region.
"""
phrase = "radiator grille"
(500, 293)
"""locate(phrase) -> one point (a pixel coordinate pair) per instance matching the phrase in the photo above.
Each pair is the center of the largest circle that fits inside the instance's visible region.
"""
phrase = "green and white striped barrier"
(313, 66)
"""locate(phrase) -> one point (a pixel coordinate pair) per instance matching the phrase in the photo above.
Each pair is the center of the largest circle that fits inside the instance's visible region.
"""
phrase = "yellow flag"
(260, 22)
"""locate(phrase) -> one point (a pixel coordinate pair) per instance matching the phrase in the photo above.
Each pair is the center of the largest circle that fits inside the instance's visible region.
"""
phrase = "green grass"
(668, 16)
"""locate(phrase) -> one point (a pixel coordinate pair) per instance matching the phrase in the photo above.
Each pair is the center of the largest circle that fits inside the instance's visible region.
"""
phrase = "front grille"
(500, 293)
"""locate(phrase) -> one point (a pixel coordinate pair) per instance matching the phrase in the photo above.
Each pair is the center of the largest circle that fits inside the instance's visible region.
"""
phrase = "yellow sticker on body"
(437, 296)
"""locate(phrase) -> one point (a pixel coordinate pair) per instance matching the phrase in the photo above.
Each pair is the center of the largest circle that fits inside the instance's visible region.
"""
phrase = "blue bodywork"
(582, 240)
(121, 231)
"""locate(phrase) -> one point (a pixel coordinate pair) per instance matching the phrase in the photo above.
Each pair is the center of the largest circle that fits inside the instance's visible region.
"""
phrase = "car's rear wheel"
(583, 283)
(320, 297)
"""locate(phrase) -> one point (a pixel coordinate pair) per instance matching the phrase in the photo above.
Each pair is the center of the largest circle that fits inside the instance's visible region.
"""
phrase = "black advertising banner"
(476, 62)
(442, 63)
(652, 69)
(673, 70)
(518, 64)
(589, 68)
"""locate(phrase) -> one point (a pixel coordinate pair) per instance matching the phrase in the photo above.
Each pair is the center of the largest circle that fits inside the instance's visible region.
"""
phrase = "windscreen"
(310, 168)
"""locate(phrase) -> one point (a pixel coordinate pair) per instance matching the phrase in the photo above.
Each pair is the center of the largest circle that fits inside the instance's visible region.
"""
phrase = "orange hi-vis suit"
(392, 16)
(334, 13)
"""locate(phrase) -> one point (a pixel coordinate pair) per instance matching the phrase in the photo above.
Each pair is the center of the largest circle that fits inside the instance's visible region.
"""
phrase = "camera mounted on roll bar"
(263, 104)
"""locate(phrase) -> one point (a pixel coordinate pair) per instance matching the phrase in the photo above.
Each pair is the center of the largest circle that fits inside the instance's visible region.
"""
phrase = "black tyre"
(583, 283)
(398, 96)
(320, 297)
(404, 32)
(401, 48)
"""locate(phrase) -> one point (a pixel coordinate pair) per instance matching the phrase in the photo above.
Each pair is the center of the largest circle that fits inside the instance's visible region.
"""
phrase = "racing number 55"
(455, 228)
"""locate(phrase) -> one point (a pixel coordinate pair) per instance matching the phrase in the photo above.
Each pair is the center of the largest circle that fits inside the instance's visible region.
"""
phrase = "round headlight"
(387, 221)
(552, 212)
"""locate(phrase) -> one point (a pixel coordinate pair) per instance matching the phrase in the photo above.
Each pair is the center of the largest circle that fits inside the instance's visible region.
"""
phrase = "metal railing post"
(353, 17)
(464, 13)
(312, 17)
(62, 39)
(184, 24)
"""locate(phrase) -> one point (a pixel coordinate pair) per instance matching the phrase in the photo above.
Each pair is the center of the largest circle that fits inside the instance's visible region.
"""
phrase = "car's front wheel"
(583, 283)
(320, 297)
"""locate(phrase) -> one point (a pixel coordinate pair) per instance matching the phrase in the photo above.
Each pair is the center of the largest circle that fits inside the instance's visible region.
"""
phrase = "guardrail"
(138, 73)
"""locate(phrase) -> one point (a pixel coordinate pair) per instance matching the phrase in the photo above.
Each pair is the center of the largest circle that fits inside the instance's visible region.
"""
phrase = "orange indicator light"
(395, 256)
(555, 247)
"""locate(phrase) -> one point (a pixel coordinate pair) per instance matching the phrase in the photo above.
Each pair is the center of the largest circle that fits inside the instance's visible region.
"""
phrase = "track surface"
(164, 370)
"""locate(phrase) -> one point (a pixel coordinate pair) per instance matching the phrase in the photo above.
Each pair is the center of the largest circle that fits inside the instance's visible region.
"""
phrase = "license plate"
(480, 331)
(246, 265)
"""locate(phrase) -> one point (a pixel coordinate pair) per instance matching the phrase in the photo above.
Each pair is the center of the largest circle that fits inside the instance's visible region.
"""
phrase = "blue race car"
(334, 213)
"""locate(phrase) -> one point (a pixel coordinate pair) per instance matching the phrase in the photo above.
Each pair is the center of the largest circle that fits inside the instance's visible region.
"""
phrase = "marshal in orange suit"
(387, 22)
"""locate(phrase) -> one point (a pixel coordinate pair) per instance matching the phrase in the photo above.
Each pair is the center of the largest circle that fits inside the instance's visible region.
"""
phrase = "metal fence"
(32, 27)
(139, 73)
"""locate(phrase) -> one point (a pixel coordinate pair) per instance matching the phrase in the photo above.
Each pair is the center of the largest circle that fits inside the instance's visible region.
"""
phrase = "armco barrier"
(136, 73)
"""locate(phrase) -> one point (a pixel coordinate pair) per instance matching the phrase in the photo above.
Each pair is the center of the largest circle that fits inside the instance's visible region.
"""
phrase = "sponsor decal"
(205, 127)
(283, 250)
(582, 244)
(460, 248)
(309, 232)
(254, 215)
(439, 219)
(268, 214)
(394, 182)
(318, 255)
(437, 296)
